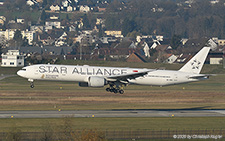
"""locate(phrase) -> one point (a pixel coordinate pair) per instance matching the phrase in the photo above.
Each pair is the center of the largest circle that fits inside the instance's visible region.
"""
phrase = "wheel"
(32, 85)
(107, 89)
(121, 91)
(111, 89)
(115, 91)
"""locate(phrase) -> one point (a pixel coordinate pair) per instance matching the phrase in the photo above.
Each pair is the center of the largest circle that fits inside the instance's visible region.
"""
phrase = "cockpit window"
(23, 69)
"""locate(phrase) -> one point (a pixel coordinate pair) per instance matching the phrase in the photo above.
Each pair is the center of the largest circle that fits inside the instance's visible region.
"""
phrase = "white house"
(84, 8)
(30, 2)
(29, 35)
(172, 58)
(54, 23)
(2, 20)
(12, 59)
(146, 50)
(8, 34)
(70, 9)
(55, 8)
(20, 21)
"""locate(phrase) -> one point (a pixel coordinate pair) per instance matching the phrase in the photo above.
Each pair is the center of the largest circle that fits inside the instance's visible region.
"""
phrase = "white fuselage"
(82, 73)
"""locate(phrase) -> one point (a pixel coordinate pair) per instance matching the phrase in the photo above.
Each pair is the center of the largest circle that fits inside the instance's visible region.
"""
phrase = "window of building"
(11, 63)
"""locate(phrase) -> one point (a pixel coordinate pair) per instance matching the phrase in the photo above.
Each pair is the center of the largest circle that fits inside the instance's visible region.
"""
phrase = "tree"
(0, 49)
(17, 36)
(43, 16)
(175, 42)
(128, 26)
(86, 22)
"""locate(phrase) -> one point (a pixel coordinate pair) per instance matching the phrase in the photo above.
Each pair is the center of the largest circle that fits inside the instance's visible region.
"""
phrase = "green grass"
(47, 95)
(173, 123)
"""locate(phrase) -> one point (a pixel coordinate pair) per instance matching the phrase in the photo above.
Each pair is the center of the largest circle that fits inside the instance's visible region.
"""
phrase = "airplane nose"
(21, 73)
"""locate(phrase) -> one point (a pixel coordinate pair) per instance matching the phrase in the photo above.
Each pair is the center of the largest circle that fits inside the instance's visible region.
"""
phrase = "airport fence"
(117, 135)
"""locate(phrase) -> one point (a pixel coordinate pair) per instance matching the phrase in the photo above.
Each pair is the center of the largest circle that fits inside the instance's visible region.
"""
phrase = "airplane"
(117, 78)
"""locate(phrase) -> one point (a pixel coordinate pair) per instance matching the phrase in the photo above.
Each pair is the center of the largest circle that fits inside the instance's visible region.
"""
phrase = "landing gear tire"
(121, 91)
(111, 90)
(32, 85)
(115, 91)
(107, 89)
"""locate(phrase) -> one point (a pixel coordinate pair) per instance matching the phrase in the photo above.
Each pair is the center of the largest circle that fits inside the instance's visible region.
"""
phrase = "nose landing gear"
(31, 83)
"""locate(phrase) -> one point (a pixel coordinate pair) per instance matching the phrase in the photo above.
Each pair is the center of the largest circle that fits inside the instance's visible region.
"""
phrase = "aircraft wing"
(125, 77)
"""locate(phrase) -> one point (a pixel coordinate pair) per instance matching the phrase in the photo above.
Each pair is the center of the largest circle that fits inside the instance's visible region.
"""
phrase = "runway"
(112, 113)
(2, 76)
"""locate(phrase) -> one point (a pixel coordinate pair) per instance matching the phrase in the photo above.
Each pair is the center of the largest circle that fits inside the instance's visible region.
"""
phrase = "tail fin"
(196, 63)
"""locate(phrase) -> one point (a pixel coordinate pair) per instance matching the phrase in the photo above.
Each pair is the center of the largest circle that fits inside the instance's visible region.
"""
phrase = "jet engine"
(94, 81)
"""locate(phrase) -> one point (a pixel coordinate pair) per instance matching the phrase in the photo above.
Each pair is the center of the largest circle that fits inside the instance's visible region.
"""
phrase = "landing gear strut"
(115, 88)
(31, 83)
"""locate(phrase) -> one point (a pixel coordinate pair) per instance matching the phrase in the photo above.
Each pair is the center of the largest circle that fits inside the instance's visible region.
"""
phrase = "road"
(112, 113)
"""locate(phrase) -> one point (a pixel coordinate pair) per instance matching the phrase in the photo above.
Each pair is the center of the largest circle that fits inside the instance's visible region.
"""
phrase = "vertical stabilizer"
(196, 63)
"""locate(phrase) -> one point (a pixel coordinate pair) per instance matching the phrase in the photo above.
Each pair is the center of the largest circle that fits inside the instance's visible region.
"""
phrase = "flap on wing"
(124, 77)
(203, 76)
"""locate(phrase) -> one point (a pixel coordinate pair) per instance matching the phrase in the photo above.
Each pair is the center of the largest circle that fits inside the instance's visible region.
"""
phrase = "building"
(114, 33)
(29, 36)
(9, 34)
(12, 59)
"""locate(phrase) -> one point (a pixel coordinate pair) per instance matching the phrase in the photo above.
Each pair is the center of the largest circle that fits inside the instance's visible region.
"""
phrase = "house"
(146, 50)
(47, 50)
(163, 48)
(216, 56)
(70, 9)
(84, 8)
(132, 46)
(214, 2)
(135, 57)
(99, 21)
(29, 36)
(54, 17)
(2, 20)
(38, 29)
(30, 2)
(183, 58)
(55, 8)
(12, 59)
(221, 42)
(116, 33)
(101, 9)
(52, 23)
(171, 59)
(8, 34)
(65, 3)
(20, 21)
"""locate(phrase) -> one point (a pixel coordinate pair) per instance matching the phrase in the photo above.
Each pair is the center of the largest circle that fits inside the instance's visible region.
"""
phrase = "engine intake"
(94, 81)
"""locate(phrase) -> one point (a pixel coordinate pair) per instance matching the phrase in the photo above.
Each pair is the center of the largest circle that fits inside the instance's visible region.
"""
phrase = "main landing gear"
(115, 89)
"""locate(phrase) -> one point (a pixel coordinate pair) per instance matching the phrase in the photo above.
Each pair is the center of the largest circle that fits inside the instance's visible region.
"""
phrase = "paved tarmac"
(2, 76)
(112, 113)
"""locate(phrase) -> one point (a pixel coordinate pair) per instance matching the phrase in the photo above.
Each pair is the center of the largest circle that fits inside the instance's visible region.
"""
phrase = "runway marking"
(112, 113)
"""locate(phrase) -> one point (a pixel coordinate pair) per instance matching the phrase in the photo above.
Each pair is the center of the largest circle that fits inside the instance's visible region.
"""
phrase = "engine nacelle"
(94, 81)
